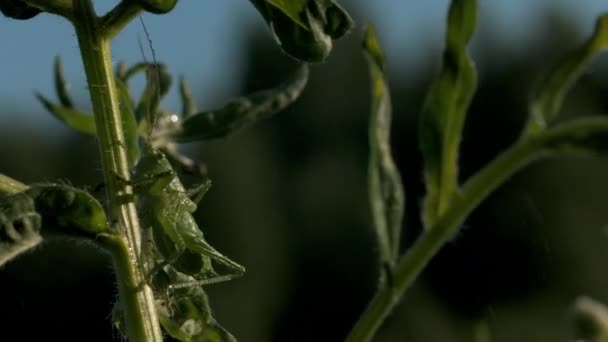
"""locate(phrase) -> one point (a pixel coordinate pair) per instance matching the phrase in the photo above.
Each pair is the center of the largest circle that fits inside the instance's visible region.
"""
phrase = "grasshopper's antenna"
(151, 122)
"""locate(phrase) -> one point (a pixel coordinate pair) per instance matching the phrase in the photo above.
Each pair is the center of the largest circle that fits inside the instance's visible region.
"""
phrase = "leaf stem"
(136, 296)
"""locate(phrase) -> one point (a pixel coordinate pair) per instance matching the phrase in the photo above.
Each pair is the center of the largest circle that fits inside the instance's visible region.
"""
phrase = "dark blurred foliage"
(290, 202)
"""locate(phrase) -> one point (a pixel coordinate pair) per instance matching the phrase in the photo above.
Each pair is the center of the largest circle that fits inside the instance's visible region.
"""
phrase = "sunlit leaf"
(81, 122)
(547, 101)
(242, 112)
(10, 186)
(445, 109)
(385, 188)
(590, 320)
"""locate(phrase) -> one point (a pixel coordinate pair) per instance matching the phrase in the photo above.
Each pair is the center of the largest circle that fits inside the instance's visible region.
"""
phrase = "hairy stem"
(136, 296)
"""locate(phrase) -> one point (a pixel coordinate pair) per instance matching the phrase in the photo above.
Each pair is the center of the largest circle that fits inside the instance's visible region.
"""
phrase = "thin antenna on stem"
(151, 123)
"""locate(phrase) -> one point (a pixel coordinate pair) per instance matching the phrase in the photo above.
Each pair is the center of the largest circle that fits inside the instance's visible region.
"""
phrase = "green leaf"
(19, 226)
(386, 193)
(129, 122)
(548, 99)
(18, 9)
(157, 86)
(305, 29)
(63, 211)
(189, 107)
(293, 8)
(69, 211)
(242, 112)
(61, 85)
(156, 6)
(83, 123)
(444, 112)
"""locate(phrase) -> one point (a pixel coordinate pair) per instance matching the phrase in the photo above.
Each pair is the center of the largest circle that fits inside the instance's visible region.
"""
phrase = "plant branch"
(115, 20)
(136, 296)
(582, 135)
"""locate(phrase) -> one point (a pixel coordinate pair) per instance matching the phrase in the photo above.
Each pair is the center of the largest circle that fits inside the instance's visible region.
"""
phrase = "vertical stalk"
(136, 297)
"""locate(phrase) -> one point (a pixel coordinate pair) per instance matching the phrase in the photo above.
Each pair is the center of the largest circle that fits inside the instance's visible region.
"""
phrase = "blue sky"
(209, 51)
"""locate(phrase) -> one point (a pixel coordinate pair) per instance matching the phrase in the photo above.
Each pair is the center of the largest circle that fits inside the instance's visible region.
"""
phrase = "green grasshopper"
(182, 258)
(179, 259)
(166, 209)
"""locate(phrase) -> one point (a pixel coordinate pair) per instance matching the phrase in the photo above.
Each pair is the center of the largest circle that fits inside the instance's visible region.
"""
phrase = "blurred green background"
(289, 199)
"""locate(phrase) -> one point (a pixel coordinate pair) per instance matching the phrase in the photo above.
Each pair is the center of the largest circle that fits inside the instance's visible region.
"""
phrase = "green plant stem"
(139, 307)
(419, 255)
(115, 20)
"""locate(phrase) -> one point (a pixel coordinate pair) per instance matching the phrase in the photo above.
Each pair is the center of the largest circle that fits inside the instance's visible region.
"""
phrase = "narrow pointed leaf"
(61, 85)
(81, 122)
(129, 122)
(305, 29)
(385, 188)
(189, 107)
(444, 112)
(120, 72)
(157, 86)
(547, 101)
(242, 112)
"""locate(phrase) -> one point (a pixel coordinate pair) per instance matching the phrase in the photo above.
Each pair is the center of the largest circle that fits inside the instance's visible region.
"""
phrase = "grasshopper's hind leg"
(206, 281)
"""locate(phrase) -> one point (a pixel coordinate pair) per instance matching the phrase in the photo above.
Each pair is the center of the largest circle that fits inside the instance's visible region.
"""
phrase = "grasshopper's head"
(152, 163)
